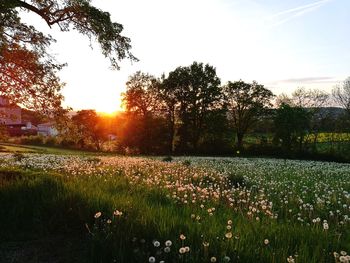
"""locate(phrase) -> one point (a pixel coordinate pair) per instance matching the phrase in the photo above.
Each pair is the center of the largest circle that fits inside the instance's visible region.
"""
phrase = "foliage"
(246, 102)
(291, 124)
(341, 94)
(192, 92)
(28, 74)
(89, 128)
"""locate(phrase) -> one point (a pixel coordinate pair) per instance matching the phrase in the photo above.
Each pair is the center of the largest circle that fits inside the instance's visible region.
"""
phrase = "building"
(10, 114)
(47, 129)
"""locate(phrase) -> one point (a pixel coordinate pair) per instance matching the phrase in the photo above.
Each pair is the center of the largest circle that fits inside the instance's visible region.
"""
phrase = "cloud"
(289, 14)
(305, 80)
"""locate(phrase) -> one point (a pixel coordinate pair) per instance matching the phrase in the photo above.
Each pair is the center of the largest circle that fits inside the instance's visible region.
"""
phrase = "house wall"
(10, 115)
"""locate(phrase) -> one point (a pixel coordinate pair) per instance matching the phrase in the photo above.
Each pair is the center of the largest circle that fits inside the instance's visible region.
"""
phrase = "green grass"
(42, 200)
(6, 147)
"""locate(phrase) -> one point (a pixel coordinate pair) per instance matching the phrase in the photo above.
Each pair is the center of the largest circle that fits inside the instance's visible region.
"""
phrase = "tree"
(90, 128)
(246, 103)
(143, 129)
(141, 96)
(28, 74)
(194, 91)
(341, 95)
(314, 102)
(291, 124)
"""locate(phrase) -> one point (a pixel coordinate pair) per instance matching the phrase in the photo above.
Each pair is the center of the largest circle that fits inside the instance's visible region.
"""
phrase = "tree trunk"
(240, 140)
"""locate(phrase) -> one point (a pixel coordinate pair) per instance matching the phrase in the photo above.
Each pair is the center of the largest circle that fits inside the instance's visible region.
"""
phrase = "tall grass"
(123, 214)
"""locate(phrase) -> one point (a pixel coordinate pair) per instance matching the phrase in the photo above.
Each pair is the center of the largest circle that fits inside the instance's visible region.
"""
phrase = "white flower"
(152, 259)
(156, 243)
(213, 259)
(168, 243)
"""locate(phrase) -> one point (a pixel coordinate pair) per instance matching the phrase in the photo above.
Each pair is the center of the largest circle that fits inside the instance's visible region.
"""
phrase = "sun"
(109, 107)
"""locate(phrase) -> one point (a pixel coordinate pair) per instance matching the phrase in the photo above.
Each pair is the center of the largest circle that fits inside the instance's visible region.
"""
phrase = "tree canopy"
(28, 73)
(246, 102)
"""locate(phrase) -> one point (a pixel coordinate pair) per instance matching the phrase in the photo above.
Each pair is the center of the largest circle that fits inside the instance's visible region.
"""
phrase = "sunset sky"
(281, 44)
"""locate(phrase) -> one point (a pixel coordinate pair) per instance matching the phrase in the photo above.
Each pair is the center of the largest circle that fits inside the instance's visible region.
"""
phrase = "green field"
(78, 208)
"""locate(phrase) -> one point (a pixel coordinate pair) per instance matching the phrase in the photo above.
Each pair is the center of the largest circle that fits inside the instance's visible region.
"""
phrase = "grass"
(142, 201)
(12, 148)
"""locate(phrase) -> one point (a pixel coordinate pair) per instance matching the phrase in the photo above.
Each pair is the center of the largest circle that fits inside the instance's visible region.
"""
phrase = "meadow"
(183, 209)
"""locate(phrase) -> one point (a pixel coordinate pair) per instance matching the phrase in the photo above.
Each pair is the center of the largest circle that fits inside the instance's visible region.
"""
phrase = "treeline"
(189, 111)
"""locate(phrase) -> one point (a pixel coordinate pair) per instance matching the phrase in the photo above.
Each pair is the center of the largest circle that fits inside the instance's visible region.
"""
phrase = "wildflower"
(228, 235)
(117, 213)
(167, 249)
(109, 221)
(97, 215)
(156, 243)
(151, 259)
(266, 241)
(229, 222)
(187, 249)
(168, 243)
(182, 250)
(206, 244)
(325, 226)
(213, 259)
(227, 259)
(182, 237)
(290, 259)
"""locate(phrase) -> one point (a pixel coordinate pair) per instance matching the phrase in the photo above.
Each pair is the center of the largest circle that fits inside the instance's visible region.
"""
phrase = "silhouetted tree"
(246, 102)
(28, 74)
(341, 95)
(196, 90)
(144, 128)
(90, 128)
(291, 125)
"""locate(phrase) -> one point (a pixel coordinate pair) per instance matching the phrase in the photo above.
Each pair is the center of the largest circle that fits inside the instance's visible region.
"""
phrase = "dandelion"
(290, 259)
(229, 222)
(97, 215)
(228, 235)
(325, 226)
(266, 241)
(187, 249)
(117, 213)
(109, 221)
(182, 250)
(167, 249)
(182, 237)
(213, 259)
(206, 244)
(227, 259)
(168, 243)
(151, 259)
(156, 243)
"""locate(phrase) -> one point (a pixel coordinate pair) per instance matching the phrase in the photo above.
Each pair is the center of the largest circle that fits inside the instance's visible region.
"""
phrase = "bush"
(167, 159)
(32, 140)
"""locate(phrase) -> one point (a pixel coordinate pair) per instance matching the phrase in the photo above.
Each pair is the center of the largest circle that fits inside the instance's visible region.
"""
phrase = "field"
(78, 208)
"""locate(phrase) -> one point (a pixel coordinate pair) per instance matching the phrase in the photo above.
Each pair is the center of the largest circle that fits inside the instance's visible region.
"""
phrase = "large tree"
(291, 126)
(196, 90)
(246, 102)
(143, 129)
(90, 128)
(28, 74)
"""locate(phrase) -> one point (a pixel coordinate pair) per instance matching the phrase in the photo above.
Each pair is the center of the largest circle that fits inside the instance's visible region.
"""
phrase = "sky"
(281, 44)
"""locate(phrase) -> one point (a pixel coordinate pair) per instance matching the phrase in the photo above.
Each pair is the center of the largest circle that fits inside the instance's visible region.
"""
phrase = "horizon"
(280, 45)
